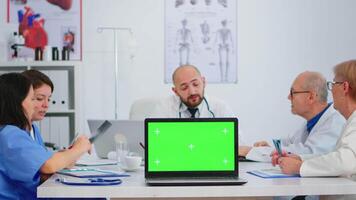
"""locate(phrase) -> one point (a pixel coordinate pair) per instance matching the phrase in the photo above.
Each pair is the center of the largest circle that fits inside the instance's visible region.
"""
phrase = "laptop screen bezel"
(233, 173)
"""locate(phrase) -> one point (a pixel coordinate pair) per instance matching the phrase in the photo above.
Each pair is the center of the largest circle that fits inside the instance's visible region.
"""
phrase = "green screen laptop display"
(191, 146)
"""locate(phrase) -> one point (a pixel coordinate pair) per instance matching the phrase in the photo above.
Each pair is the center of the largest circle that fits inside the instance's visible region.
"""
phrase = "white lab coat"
(322, 138)
(340, 162)
(171, 107)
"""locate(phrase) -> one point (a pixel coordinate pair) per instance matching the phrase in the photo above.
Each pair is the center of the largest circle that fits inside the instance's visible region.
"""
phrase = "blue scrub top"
(21, 158)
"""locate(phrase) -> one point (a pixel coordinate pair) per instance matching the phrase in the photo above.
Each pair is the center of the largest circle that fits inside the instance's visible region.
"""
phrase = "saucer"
(129, 170)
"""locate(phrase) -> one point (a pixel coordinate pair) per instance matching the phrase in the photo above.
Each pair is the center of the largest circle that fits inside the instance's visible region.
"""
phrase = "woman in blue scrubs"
(23, 158)
(43, 89)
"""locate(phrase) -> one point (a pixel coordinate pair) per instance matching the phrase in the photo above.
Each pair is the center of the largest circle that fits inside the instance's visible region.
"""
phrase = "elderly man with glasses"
(342, 160)
(308, 97)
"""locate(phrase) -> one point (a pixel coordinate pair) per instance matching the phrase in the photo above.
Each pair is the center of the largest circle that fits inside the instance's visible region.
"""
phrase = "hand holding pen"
(277, 144)
(277, 153)
(72, 142)
(82, 143)
(276, 156)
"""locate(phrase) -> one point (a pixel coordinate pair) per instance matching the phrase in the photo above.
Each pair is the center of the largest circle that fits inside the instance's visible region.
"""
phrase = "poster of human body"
(53, 23)
(202, 33)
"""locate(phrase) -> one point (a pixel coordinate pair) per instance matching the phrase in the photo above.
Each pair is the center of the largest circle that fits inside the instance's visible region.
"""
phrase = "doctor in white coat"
(189, 100)
(342, 160)
(318, 135)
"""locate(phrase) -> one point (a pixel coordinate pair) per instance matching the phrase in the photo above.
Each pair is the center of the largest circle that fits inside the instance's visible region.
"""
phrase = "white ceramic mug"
(131, 163)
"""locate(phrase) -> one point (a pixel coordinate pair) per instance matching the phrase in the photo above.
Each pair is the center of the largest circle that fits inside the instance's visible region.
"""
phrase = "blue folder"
(272, 173)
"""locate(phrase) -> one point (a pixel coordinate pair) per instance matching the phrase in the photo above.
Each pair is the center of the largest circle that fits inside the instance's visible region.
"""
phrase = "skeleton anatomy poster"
(202, 33)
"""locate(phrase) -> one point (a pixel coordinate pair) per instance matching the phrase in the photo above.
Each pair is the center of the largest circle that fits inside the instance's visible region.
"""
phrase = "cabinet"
(61, 121)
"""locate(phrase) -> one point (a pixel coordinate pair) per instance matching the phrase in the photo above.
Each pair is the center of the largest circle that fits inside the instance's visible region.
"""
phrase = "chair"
(143, 108)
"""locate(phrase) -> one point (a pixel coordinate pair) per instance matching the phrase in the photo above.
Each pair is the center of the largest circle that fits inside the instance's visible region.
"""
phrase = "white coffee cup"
(131, 163)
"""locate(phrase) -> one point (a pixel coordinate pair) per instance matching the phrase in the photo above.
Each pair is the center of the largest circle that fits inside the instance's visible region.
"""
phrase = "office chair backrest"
(143, 108)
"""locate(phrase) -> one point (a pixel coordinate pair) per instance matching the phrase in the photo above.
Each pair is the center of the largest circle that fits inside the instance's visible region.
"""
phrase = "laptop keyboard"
(184, 181)
(196, 178)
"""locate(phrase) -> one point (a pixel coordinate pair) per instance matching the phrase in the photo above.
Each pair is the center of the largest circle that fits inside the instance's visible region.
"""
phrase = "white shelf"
(61, 111)
(39, 63)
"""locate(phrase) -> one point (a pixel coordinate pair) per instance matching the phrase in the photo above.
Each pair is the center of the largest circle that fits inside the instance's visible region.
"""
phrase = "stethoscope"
(207, 105)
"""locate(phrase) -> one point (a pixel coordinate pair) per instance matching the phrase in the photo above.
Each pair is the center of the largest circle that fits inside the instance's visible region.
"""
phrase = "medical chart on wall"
(54, 23)
(202, 33)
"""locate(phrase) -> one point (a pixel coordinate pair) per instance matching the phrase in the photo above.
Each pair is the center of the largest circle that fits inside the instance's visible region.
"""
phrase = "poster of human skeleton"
(202, 33)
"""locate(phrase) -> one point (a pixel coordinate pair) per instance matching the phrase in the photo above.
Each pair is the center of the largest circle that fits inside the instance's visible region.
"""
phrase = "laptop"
(132, 130)
(196, 151)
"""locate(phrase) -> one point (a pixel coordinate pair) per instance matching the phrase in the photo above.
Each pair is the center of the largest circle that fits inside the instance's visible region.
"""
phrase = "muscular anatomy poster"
(54, 23)
(202, 33)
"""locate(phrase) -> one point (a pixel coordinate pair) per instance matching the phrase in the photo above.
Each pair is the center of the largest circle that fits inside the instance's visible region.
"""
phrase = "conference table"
(134, 187)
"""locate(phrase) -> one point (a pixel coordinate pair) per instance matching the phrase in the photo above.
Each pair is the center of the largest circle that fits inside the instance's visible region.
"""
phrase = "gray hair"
(316, 82)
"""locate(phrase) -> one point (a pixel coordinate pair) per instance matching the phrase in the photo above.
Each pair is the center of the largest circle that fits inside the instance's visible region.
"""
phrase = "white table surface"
(135, 187)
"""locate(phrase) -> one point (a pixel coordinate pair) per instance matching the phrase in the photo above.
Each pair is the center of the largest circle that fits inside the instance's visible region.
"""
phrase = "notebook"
(197, 151)
(132, 130)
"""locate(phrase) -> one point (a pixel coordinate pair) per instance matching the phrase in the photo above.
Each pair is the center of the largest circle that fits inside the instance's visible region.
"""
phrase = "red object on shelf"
(64, 4)
(36, 36)
(32, 30)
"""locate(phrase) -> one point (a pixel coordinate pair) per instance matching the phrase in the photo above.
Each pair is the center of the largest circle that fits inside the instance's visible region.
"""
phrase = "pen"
(100, 131)
(71, 143)
(94, 180)
(143, 146)
(277, 145)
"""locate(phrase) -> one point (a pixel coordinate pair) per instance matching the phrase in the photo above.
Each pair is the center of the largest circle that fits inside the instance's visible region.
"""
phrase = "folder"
(54, 130)
(45, 130)
(59, 130)
(63, 123)
(60, 79)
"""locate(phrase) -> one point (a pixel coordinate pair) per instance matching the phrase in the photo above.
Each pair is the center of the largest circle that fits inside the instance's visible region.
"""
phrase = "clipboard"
(89, 181)
(272, 173)
(90, 173)
(100, 131)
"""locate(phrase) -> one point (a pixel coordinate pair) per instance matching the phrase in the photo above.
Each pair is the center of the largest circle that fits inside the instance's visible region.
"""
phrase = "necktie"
(192, 112)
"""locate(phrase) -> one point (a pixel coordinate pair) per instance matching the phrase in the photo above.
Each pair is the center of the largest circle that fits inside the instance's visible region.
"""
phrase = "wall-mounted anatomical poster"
(48, 23)
(202, 33)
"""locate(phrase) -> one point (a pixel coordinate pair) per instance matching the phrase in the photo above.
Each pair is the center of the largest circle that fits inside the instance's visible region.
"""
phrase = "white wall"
(277, 39)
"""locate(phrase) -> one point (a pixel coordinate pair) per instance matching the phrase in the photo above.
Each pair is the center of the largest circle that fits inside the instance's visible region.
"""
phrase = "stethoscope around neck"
(207, 105)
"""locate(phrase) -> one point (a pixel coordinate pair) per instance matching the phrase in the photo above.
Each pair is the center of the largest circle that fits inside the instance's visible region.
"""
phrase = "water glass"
(121, 151)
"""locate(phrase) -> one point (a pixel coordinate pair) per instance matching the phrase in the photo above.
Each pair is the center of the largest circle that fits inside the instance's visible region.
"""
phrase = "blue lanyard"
(90, 181)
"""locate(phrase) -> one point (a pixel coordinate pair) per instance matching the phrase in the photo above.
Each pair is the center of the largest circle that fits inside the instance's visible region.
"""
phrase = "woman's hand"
(289, 163)
(82, 144)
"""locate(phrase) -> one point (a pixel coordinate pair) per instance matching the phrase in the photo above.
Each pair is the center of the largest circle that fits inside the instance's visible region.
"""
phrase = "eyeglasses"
(292, 92)
(330, 84)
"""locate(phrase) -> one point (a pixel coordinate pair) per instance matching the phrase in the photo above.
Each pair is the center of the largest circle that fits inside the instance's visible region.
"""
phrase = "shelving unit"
(61, 121)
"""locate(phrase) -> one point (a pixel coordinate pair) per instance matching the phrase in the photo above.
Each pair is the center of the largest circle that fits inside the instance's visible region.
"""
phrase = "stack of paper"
(271, 173)
(95, 162)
